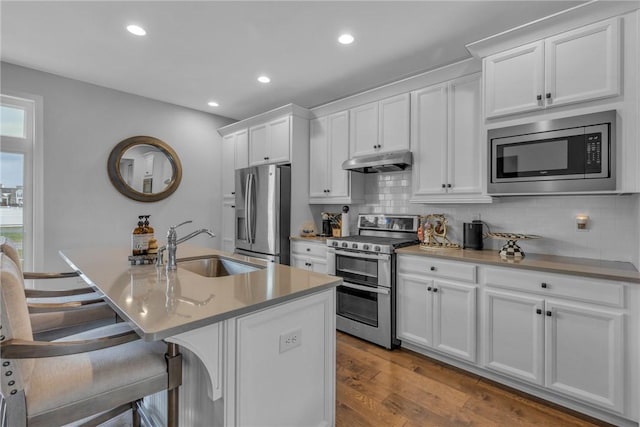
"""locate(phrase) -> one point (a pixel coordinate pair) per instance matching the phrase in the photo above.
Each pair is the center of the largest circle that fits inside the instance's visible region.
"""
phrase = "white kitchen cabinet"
(329, 148)
(309, 255)
(380, 127)
(434, 313)
(270, 142)
(446, 143)
(241, 145)
(228, 225)
(575, 66)
(573, 348)
(228, 169)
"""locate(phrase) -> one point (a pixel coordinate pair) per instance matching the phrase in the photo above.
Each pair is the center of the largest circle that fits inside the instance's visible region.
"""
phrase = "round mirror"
(144, 168)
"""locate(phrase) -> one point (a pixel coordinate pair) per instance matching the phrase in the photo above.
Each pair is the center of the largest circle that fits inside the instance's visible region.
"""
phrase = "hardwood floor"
(377, 387)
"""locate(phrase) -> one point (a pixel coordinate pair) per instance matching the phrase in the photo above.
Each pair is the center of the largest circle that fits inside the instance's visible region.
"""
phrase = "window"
(20, 215)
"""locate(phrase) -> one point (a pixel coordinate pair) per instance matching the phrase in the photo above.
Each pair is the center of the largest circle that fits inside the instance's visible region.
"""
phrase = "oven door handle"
(362, 255)
(383, 291)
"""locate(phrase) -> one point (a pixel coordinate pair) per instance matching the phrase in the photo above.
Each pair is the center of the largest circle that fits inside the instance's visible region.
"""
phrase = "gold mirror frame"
(115, 175)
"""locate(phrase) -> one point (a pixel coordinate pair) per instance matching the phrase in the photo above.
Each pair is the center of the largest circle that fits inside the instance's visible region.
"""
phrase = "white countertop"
(159, 305)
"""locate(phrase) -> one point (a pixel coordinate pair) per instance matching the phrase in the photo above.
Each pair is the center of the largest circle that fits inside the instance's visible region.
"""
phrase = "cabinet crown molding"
(286, 110)
(575, 17)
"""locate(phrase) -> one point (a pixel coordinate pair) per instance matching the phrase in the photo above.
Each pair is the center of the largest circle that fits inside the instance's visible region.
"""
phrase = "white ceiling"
(199, 51)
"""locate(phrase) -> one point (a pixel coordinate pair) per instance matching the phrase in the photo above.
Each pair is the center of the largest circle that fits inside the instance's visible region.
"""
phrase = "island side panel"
(283, 369)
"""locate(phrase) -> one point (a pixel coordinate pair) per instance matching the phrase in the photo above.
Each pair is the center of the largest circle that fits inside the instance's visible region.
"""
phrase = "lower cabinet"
(310, 256)
(437, 314)
(565, 338)
(573, 348)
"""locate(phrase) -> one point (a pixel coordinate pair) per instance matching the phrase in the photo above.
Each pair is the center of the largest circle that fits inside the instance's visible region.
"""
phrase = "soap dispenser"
(148, 230)
(138, 246)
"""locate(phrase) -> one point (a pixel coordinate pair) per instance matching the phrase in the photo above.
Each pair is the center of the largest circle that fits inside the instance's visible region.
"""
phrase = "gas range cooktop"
(380, 233)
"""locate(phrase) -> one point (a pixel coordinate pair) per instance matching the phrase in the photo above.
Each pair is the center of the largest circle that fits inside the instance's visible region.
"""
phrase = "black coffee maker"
(326, 227)
(472, 234)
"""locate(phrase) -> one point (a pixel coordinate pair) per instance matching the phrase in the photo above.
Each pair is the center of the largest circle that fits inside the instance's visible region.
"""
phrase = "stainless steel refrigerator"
(263, 204)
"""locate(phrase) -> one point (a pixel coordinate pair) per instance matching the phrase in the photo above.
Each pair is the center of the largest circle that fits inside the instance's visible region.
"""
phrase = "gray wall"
(82, 123)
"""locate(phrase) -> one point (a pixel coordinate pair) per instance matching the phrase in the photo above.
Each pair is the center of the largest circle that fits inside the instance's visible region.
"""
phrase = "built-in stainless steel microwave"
(568, 155)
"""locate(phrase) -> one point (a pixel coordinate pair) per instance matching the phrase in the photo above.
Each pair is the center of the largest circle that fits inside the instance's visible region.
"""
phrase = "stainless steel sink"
(215, 266)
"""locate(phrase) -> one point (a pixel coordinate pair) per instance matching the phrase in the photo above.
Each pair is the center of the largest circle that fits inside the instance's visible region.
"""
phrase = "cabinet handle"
(328, 191)
(308, 249)
(548, 95)
(435, 289)
(429, 288)
(443, 185)
(233, 192)
(538, 311)
(449, 185)
(544, 285)
(432, 268)
(549, 313)
(233, 206)
(539, 97)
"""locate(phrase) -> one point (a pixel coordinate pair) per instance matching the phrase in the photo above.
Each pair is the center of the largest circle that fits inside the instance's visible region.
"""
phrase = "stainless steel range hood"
(374, 163)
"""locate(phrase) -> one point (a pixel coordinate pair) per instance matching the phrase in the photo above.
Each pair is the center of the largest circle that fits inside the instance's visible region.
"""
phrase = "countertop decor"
(432, 233)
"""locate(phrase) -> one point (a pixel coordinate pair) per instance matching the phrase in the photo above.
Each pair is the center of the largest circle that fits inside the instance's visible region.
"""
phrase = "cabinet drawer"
(549, 284)
(437, 268)
(309, 248)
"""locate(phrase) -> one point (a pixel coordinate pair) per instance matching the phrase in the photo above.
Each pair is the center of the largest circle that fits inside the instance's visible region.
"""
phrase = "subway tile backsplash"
(613, 220)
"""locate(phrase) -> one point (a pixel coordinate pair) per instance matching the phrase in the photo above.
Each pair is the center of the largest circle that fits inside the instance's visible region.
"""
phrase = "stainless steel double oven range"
(366, 300)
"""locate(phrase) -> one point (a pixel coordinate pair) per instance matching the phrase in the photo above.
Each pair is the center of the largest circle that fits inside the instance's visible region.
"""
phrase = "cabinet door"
(318, 265)
(413, 310)
(242, 149)
(363, 129)
(429, 139)
(228, 170)
(394, 123)
(514, 80)
(318, 157)
(279, 141)
(464, 142)
(338, 152)
(299, 261)
(228, 218)
(583, 64)
(584, 353)
(513, 335)
(454, 319)
(258, 145)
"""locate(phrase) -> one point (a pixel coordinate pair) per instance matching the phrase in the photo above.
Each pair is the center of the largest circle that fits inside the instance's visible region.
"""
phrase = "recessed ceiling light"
(264, 79)
(346, 39)
(212, 104)
(136, 29)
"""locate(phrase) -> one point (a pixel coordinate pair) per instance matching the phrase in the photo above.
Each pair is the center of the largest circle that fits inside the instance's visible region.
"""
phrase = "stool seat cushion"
(57, 382)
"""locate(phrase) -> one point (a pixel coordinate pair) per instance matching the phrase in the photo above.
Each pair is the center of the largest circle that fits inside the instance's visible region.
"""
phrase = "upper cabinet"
(380, 127)
(270, 142)
(228, 171)
(446, 143)
(241, 145)
(576, 66)
(329, 148)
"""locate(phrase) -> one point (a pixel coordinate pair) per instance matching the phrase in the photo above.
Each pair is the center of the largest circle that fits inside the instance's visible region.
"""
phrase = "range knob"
(334, 243)
(376, 248)
(345, 245)
(365, 247)
(354, 245)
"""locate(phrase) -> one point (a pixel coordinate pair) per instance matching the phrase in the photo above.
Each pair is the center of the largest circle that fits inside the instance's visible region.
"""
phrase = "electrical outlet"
(290, 340)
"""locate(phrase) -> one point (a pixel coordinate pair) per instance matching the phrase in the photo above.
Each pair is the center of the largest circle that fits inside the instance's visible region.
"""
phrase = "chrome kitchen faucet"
(173, 242)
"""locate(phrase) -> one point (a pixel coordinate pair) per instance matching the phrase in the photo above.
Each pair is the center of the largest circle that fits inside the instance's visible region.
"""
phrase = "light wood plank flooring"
(377, 387)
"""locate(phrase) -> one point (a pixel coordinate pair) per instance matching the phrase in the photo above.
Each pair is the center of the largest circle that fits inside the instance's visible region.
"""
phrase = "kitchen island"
(258, 339)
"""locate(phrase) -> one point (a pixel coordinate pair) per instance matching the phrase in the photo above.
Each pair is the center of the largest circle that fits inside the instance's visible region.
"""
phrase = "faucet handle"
(182, 223)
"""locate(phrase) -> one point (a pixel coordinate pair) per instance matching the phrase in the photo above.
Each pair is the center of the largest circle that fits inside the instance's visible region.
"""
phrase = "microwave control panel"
(593, 161)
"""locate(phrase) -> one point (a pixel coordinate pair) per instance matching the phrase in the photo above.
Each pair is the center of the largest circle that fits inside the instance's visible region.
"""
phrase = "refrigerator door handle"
(251, 214)
(246, 208)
